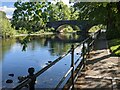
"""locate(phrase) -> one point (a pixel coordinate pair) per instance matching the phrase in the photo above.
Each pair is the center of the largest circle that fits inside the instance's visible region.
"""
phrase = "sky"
(8, 6)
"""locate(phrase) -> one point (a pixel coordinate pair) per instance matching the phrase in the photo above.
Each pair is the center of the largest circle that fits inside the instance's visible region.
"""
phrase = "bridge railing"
(86, 47)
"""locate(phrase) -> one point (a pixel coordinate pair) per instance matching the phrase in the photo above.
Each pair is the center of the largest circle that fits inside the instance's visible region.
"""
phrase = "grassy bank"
(114, 46)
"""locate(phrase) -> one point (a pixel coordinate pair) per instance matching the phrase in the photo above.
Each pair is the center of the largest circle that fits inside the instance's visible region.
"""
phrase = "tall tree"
(29, 15)
(5, 26)
(106, 13)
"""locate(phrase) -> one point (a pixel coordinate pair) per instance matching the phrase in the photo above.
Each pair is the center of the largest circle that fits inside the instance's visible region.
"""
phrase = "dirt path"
(102, 69)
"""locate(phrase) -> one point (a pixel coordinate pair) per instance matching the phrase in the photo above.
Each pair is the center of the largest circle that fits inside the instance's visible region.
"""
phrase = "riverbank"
(46, 33)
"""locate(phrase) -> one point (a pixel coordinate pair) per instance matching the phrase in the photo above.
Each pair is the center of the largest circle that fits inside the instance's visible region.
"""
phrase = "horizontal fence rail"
(86, 47)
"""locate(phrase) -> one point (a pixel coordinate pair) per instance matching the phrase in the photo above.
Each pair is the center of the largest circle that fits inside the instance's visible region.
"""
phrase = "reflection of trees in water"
(6, 45)
(61, 43)
(58, 48)
(58, 44)
(35, 41)
(0, 49)
(68, 37)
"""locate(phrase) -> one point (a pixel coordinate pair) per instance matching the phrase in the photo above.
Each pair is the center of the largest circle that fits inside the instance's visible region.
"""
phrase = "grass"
(114, 46)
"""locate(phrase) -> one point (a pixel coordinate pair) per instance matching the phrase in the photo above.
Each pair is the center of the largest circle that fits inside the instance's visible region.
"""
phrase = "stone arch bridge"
(83, 25)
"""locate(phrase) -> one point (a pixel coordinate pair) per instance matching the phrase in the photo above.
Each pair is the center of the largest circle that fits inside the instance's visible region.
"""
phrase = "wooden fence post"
(33, 79)
(72, 65)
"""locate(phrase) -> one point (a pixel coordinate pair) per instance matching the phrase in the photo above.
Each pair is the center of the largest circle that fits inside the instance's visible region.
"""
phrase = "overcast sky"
(8, 6)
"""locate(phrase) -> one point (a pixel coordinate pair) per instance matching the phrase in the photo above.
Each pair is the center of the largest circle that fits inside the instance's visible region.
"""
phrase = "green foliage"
(33, 16)
(57, 11)
(96, 28)
(115, 46)
(92, 11)
(29, 15)
(67, 29)
(113, 33)
(60, 11)
(76, 28)
(23, 31)
(105, 13)
(3, 15)
(50, 29)
(24, 42)
(5, 26)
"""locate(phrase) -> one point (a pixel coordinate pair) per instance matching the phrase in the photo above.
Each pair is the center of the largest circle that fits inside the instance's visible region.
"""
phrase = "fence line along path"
(80, 62)
(102, 70)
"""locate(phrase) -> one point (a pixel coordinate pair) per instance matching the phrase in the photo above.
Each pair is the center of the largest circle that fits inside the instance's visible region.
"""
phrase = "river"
(40, 50)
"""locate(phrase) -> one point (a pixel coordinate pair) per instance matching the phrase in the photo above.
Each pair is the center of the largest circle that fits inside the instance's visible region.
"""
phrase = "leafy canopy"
(33, 16)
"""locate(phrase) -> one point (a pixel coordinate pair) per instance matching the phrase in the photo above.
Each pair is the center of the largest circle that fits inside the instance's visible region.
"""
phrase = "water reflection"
(58, 44)
(0, 49)
(40, 50)
(5, 45)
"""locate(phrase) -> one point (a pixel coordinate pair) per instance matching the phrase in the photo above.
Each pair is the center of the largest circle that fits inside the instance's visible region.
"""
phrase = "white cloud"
(9, 16)
(8, 1)
(8, 10)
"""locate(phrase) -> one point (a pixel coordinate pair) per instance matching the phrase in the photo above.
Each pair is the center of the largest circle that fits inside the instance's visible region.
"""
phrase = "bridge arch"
(96, 27)
(67, 28)
(56, 24)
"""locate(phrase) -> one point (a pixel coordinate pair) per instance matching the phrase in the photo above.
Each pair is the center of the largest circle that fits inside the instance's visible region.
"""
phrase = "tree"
(29, 15)
(5, 26)
(106, 13)
(74, 15)
(34, 15)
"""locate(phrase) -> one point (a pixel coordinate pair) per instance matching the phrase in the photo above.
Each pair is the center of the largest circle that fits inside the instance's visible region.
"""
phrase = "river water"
(40, 50)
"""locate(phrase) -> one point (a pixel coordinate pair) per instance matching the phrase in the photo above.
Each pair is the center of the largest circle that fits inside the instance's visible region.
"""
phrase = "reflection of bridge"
(83, 25)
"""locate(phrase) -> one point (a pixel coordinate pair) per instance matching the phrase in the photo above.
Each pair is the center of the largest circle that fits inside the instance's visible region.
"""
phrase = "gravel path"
(102, 69)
